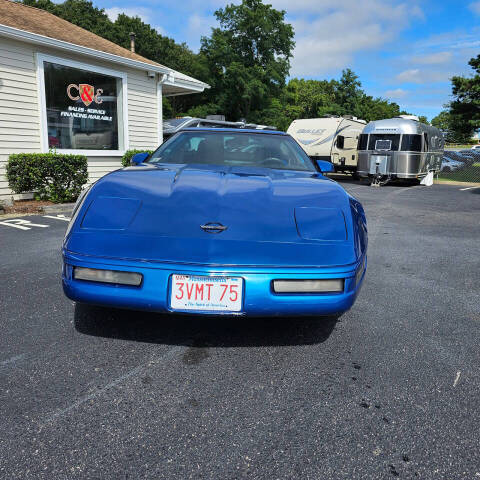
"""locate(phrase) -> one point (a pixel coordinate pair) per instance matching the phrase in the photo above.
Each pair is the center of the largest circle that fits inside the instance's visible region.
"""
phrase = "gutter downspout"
(160, 83)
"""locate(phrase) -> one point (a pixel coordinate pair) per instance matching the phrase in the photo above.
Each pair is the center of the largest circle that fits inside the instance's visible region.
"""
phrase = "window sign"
(84, 109)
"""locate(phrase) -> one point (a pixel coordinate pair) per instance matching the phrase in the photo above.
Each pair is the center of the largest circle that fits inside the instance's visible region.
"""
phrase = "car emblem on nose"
(213, 227)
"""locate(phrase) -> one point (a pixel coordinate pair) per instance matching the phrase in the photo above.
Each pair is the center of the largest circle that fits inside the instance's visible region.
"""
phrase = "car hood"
(272, 217)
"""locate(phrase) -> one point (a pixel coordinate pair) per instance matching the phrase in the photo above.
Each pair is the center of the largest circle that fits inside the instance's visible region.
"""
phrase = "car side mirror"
(139, 158)
(324, 166)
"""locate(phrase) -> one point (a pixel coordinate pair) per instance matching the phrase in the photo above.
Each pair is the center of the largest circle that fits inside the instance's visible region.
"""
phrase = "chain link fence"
(461, 165)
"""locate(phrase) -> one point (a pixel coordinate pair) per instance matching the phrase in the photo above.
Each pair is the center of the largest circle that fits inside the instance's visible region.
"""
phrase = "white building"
(64, 88)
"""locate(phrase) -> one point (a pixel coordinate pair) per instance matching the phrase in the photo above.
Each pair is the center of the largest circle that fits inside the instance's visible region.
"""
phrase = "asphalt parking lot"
(390, 389)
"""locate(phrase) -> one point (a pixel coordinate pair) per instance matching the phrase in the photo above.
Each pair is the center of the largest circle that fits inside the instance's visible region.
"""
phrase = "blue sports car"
(218, 221)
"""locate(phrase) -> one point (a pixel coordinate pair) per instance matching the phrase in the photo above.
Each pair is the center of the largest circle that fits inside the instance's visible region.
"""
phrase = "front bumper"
(258, 299)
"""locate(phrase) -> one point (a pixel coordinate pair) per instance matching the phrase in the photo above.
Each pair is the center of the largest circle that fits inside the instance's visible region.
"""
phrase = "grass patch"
(456, 146)
(469, 174)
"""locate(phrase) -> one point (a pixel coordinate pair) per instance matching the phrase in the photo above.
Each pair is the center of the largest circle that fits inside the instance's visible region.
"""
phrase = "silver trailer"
(399, 148)
(174, 125)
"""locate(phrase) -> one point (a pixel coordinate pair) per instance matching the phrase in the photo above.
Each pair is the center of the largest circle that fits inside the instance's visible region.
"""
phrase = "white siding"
(142, 110)
(19, 120)
(20, 116)
(99, 166)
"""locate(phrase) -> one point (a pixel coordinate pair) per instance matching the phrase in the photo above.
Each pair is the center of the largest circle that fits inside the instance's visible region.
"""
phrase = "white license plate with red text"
(190, 292)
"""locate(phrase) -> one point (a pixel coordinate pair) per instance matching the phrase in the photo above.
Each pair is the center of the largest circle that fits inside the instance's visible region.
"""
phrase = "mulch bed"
(27, 206)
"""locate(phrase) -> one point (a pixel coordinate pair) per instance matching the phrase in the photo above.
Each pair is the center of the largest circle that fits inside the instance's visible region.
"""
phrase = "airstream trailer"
(399, 148)
(330, 138)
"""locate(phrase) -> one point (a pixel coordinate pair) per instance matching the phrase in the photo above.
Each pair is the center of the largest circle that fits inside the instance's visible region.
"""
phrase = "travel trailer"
(174, 125)
(330, 138)
(399, 147)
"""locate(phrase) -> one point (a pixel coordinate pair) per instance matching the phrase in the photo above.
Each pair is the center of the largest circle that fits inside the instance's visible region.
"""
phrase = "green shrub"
(52, 176)
(127, 157)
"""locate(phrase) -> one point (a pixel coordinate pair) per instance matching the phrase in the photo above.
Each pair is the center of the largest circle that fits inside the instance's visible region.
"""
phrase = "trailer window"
(363, 141)
(411, 143)
(384, 142)
(425, 143)
(340, 141)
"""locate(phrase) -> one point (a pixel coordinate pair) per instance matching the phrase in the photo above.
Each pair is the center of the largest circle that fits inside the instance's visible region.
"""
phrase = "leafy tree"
(451, 125)
(349, 93)
(465, 108)
(442, 120)
(248, 56)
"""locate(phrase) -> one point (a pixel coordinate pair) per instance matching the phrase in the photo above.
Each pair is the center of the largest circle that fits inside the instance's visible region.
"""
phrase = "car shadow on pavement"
(202, 331)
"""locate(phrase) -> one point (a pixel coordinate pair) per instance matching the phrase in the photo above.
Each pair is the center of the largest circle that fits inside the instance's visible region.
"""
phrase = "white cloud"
(328, 33)
(451, 41)
(475, 7)
(432, 58)
(417, 75)
(144, 13)
(396, 93)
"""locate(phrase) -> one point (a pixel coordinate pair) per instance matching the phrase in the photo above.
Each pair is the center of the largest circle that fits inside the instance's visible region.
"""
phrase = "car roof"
(232, 130)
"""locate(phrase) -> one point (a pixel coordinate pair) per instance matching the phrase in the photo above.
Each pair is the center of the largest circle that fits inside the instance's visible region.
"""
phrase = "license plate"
(190, 292)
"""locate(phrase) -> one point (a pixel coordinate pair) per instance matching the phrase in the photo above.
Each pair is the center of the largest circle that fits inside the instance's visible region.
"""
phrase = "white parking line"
(22, 224)
(58, 217)
(468, 188)
(165, 357)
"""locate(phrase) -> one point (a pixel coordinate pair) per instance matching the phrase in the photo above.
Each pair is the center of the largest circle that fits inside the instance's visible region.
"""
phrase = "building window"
(83, 108)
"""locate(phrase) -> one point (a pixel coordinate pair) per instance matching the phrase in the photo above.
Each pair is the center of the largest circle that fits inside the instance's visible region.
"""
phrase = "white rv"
(330, 138)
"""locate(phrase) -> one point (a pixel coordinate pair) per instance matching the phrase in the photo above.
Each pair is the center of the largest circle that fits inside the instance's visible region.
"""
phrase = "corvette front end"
(218, 239)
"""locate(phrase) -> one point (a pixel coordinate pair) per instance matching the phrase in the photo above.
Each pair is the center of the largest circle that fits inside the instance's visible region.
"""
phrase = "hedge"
(51, 176)
(127, 157)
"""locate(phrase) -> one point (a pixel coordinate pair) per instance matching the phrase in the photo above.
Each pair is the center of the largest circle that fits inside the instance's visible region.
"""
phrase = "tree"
(465, 108)
(451, 125)
(349, 93)
(248, 55)
(442, 120)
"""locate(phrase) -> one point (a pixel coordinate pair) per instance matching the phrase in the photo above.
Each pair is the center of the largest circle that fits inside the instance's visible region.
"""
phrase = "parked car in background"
(464, 156)
(449, 164)
(475, 147)
(174, 125)
(219, 221)
(469, 156)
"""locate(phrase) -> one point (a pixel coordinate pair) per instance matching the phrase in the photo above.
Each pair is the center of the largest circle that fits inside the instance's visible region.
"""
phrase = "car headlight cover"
(327, 224)
(76, 208)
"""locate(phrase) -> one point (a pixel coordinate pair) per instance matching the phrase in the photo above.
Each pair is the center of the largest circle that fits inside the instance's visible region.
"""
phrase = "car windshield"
(233, 149)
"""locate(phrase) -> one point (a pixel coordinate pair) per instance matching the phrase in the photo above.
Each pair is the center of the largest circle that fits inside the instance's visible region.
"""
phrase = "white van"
(330, 138)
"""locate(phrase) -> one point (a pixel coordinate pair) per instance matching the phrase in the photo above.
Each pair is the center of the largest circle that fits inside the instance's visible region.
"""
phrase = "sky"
(402, 50)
